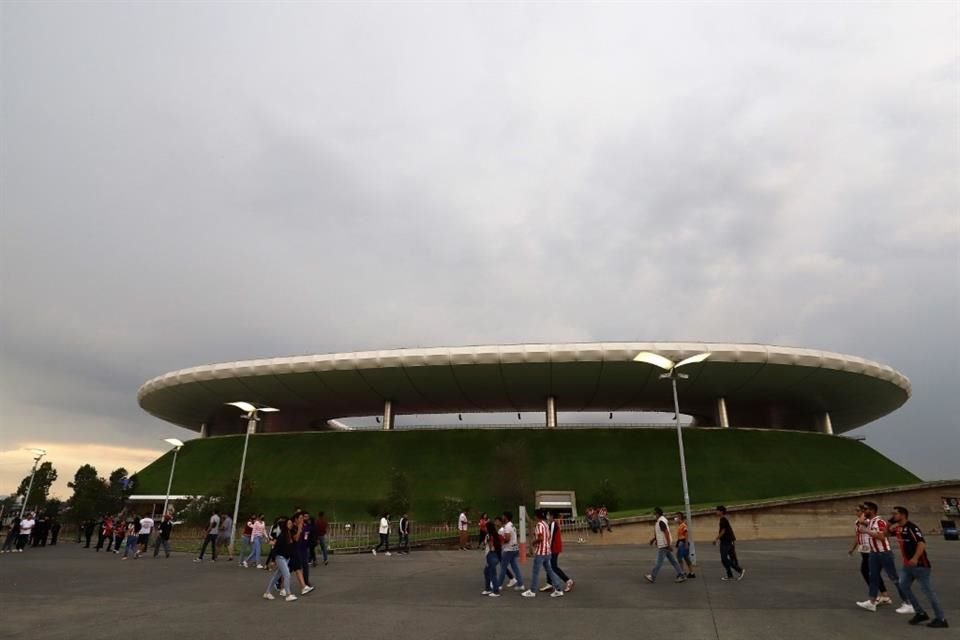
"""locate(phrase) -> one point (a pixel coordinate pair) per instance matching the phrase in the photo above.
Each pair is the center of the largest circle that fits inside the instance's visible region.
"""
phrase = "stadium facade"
(739, 385)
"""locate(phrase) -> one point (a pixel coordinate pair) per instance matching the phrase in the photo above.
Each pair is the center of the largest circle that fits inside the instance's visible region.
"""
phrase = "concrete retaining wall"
(816, 517)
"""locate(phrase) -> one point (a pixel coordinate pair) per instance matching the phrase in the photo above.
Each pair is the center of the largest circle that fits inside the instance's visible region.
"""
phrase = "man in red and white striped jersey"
(541, 558)
(881, 558)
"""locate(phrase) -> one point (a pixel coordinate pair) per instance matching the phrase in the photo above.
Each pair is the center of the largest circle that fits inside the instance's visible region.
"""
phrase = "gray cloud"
(186, 184)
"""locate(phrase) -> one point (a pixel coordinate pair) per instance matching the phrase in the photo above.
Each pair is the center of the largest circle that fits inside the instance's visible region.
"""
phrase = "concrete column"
(723, 420)
(203, 430)
(825, 424)
(387, 415)
(551, 412)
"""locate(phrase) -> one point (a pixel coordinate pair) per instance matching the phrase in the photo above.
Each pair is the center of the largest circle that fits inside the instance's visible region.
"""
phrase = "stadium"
(764, 422)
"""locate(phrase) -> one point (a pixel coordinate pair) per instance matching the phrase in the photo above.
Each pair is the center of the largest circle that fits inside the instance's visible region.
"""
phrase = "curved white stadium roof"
(762, 386)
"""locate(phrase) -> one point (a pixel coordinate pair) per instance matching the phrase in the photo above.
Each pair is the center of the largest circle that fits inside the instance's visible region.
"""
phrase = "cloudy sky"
(184, 183)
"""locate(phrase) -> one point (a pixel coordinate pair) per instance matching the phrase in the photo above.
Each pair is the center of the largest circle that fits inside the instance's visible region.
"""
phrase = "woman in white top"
(258, 534)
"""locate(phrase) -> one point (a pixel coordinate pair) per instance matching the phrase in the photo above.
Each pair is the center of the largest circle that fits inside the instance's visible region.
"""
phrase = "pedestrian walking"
(54, 532)
(12, 537)
(320, 533)
(26, 531)
(661, 538)
(494, 544)
(861, 543)
(482, 526)
(297, 555)
(556, 548)
(728, 551)
(881, 560)
(384, 531)
(683, 544)
(102, 533)
(258, 535)
(463, 527)
(282, 550)
(541, 559)
(916, 567)
(164, 529)
(143, 536)
(246, 539)
(213, 533)
(304, 533)
(511, 550)
(88, 527)
(223, 538)
(403, 534)
(130, 548)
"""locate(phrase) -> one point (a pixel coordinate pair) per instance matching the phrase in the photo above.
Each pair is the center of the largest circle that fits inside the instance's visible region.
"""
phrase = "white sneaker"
(569, 586)
(884, 600)
(198, 560)
(906, 607)
(485, 592)
(493, 595)
(512, 582)
(649, 578)
(869, 605)
(260, 566)
(387, 553)
(545, 587)
(244, 565)
(290, 598)
(556, 594)
(519, 587)
(373, 551)
(268, 596)
(283, 593)
(743, 572)
(307, 589)
(528, 594)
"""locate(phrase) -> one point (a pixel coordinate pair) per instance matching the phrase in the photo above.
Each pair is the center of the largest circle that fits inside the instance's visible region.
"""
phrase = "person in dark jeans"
(213, 533)
(54, 532)
(88, 526)
(403, 534)
(728, 551)
(320, 534)
(916, 566)
(163, 536)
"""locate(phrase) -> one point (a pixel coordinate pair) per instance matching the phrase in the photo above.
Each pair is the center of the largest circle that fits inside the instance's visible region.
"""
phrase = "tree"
(91, 495)
(606, 494)
(398, 500)
(53, 508)
(45, 477)
(118, 490)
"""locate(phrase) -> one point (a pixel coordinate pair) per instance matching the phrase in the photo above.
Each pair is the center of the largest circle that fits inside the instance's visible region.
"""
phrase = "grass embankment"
(343, 473)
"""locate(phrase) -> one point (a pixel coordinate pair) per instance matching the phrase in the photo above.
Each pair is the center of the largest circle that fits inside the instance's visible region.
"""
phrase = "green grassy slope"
(343, 473)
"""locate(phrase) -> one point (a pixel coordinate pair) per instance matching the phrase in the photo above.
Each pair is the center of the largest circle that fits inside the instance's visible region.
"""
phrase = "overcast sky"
(185, 183)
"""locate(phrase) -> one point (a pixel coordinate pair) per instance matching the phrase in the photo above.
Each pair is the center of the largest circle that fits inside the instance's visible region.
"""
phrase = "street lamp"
(176, 444)
(40, 453)
(253, 414)
(671, 367)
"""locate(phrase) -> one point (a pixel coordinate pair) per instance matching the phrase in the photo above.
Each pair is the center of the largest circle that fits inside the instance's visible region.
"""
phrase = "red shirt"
(543, 539)
(556, 540)
(880, 525)
(320, 527)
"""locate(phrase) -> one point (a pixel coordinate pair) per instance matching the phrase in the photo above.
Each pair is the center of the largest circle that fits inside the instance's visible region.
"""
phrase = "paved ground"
(792, 590)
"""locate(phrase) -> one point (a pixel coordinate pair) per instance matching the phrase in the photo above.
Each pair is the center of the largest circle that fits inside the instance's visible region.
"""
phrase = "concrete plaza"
(803, 589)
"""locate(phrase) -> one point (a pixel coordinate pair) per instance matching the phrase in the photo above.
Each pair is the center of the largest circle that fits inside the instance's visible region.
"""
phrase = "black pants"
(53, 536)
(100, 538)
(23, 540)
(403, 542)
(117, 541)
(865, 571)
(87, 535)
(211, 539)
(556, 569)
(384, 542)
(728, 556)
(313, 552)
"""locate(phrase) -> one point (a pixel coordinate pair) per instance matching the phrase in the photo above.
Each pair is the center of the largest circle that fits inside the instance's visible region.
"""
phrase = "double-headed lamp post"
(36, 461)
(671, 371)
(176, 444)
(253, 415)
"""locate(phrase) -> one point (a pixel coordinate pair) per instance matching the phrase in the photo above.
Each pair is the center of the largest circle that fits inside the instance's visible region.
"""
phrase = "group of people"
(501, 568)
(293, 543)
(872, 539)
(130, 532)
(32, 530)
(598, 518)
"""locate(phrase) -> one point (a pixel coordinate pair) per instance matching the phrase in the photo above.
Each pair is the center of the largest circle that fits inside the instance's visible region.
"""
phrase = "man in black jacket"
(163, 536)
